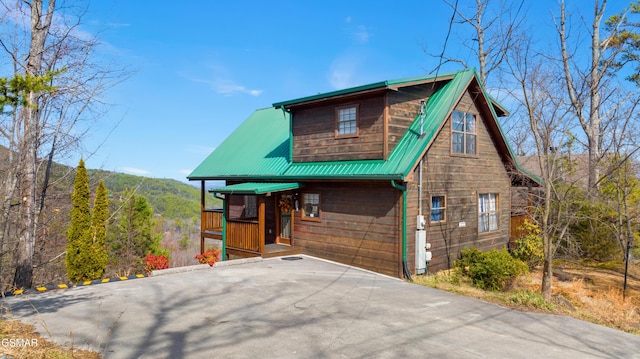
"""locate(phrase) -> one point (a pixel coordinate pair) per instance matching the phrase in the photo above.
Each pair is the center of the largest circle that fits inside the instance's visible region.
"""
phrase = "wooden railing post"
(261, 223)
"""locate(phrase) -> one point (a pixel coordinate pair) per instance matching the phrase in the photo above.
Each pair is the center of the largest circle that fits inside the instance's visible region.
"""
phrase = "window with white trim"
(311, 206)
(347, 121)
(438, 209)
(488, 212)
(463, 133)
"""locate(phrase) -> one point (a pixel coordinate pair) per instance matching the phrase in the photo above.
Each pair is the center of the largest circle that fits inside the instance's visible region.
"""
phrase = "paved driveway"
(306, 308)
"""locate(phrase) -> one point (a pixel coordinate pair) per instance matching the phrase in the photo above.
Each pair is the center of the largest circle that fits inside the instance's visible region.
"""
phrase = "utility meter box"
(421, 251)
(420, 222)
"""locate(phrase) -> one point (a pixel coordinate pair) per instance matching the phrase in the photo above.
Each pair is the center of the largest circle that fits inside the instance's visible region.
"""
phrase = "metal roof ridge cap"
(374, 85)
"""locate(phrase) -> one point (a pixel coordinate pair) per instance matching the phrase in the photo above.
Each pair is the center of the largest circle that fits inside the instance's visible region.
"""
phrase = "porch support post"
(261, 222)
(201, 216)
(224, 229)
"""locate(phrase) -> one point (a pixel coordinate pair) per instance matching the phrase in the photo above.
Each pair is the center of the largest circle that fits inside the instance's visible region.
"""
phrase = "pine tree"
(98, 263)
(79, 231)
(133, 237)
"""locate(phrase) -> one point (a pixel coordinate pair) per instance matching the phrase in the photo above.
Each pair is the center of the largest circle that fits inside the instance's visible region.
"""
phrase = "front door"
(285, 219)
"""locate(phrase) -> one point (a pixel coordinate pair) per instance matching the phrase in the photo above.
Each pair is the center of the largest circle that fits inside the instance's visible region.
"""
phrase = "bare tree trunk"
(547, 239)
(591, 97)
(40, 24)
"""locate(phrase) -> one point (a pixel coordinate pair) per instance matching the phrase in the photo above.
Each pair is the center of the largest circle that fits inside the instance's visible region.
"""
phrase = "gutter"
(402, 188)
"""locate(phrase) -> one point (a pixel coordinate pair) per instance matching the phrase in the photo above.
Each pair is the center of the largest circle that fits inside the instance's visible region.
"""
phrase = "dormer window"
(463, 133)
(347, 121)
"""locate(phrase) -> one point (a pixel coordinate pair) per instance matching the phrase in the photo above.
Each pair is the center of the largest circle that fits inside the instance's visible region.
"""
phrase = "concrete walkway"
(304, 308)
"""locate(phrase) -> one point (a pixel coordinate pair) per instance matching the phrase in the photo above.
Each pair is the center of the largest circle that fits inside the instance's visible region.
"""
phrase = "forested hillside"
(169, 198)
(172, 207)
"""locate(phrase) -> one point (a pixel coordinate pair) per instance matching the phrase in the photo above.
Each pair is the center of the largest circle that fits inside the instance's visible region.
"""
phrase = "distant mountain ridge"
(168, 197)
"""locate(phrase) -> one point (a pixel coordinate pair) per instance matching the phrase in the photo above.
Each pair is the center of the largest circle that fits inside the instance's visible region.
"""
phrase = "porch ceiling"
(257, 187)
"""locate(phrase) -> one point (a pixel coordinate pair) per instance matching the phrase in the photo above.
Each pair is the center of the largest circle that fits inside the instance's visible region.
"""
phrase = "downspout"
(405, 269)
(223, 252)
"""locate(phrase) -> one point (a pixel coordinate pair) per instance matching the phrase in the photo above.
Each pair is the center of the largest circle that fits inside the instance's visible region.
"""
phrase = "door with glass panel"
(285, 218)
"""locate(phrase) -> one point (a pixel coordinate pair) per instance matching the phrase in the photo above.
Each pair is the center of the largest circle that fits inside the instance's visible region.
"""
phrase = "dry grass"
(19, 340)
(588, 292)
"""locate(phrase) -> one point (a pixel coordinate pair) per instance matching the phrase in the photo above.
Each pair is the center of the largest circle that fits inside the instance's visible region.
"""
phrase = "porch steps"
(280, 250)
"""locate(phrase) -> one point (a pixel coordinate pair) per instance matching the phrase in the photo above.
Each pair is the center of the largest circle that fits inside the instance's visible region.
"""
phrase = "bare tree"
(542, 105)
(591, 88)
(494, 33)
(495, 27)
(44, 37)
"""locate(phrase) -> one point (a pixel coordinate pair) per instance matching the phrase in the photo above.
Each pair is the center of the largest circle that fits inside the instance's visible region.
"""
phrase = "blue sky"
(205, 66)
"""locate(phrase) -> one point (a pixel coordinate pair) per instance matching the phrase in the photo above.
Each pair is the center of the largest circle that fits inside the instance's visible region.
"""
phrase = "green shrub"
(528, 248)
(531, 299)
(492, 270)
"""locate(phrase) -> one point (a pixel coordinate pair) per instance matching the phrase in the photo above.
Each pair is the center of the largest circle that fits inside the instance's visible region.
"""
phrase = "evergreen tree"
(78, 234)
(133, 237)
(99, 229)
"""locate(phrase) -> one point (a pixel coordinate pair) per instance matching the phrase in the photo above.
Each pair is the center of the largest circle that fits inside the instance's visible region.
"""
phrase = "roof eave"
(359, 90)
(367, 177)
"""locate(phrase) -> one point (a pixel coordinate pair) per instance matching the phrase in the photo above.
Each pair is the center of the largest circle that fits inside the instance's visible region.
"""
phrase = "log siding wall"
(314, 136)
(359, 226)
(460, 178)
(404, 106)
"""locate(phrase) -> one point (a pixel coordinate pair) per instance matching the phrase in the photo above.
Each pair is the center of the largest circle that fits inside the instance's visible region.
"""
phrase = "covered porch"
(256, 219)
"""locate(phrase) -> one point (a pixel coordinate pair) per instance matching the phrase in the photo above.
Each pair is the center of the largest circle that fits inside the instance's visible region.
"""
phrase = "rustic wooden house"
(395, 176)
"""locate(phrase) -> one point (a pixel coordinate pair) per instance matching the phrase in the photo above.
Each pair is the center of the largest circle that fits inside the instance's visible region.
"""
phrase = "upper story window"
(347, 121)
(463, 133)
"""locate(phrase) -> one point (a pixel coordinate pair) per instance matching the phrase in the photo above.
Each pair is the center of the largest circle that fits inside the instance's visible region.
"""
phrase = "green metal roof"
(376, 85)
(256, 188)
(260, 148)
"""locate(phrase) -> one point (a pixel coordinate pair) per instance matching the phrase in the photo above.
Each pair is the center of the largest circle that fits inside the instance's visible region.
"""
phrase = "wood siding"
(314, 132)
(460, 178)
(404, 106)
(359, 225)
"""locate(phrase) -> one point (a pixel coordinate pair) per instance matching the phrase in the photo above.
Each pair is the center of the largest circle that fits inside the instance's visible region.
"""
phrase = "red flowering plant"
(153, 262)
(210, 256)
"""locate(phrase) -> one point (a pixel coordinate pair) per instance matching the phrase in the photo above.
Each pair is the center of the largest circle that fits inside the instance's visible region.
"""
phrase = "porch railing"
(212, 220)
(243, 235)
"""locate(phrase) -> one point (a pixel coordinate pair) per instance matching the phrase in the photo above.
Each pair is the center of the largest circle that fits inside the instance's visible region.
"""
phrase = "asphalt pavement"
(302, 307)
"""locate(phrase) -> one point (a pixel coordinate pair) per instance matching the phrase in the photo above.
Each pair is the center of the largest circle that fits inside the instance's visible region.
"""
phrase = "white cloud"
(343, 70)
(361, 34)
(221, 82)
(135, 171)
(228, 87)
(340, 78)
(186, 172)
(117, 25)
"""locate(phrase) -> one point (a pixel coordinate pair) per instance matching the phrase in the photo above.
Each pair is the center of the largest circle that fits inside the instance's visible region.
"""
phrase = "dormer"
(359, 123)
